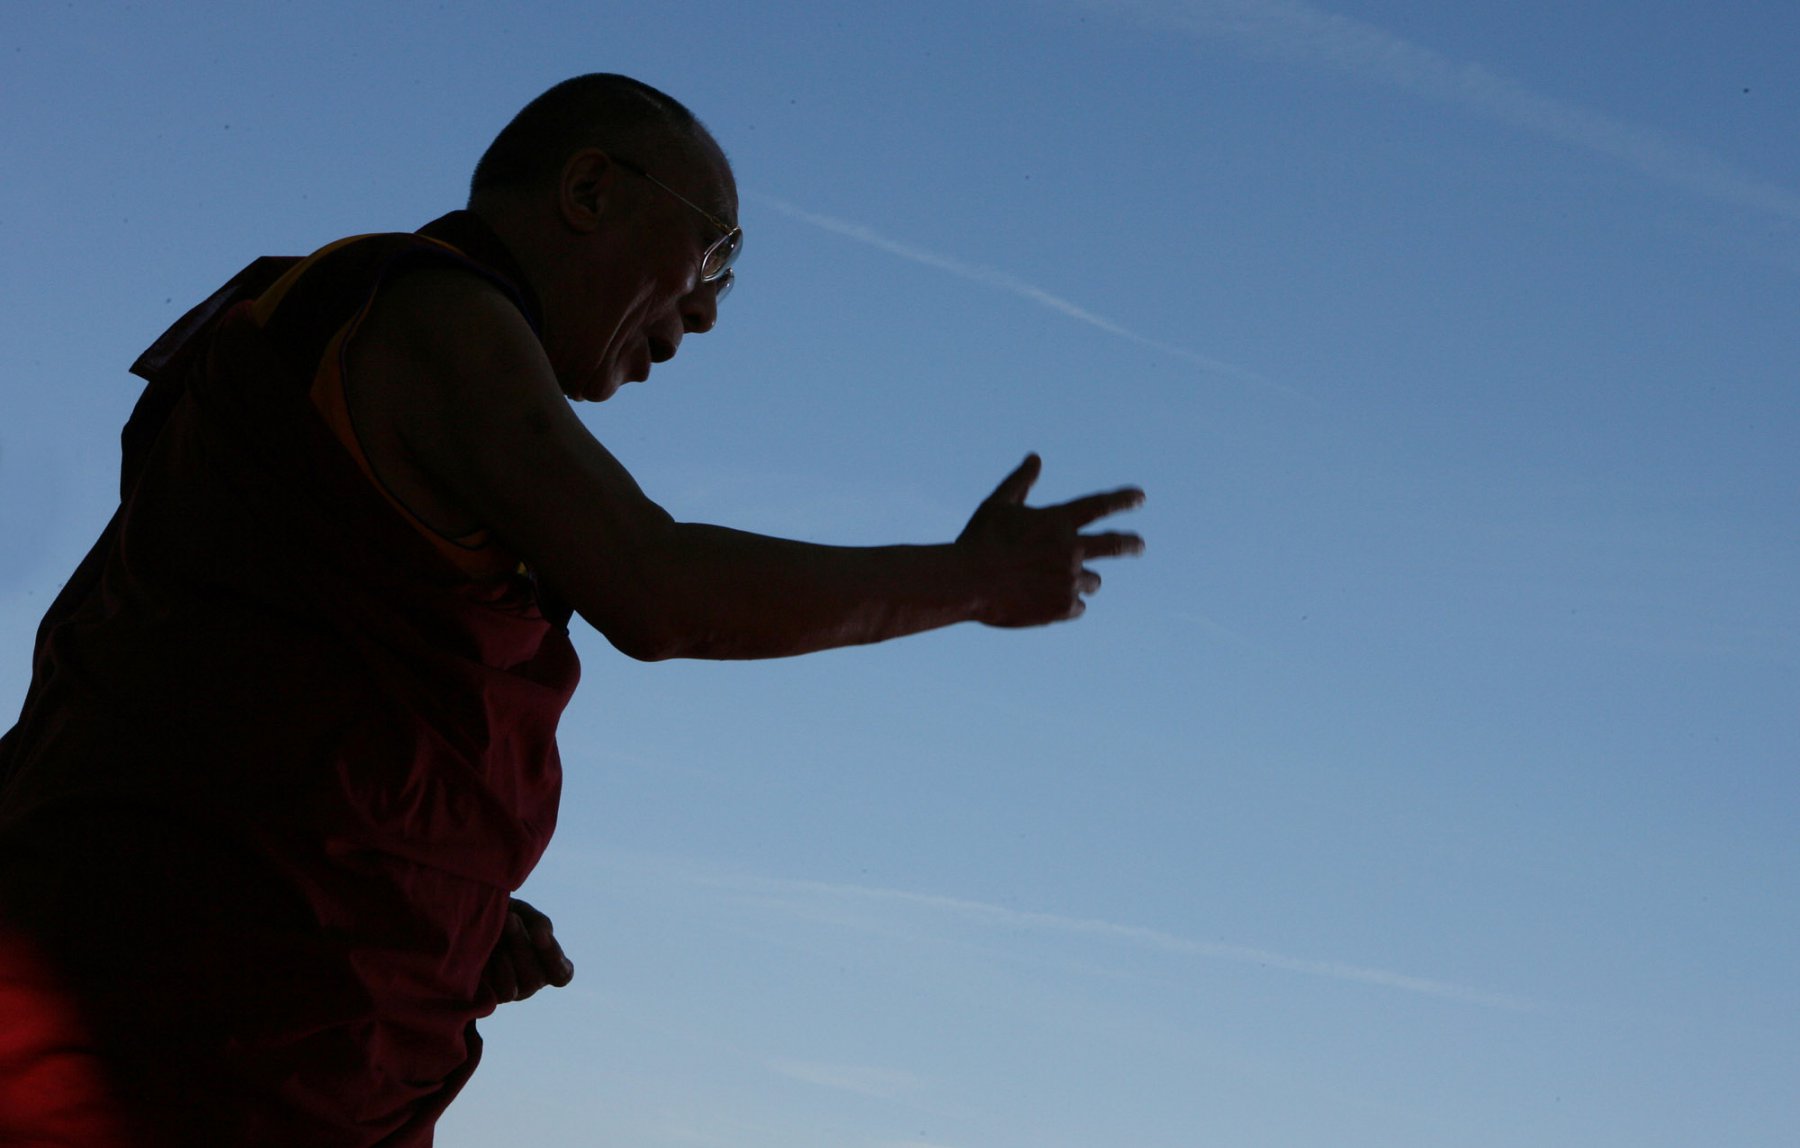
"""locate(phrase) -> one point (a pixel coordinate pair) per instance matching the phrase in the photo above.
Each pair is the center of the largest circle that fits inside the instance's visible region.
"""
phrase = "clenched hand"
(527, 956)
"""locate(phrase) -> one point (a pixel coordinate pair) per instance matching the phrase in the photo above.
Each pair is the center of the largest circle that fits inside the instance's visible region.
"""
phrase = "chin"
(594, 388)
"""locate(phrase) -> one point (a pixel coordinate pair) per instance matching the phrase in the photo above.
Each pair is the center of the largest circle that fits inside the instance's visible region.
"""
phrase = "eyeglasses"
(715, 263)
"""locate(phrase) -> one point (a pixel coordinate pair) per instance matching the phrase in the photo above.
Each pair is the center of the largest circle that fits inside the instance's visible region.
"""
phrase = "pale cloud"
(1217, 629)
(1312, 36)
(852, 904)
(880, 1083)
(679, 1130)
(1010, 283)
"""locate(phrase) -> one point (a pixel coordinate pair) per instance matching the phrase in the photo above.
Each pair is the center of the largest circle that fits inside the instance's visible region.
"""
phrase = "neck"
(510, 218)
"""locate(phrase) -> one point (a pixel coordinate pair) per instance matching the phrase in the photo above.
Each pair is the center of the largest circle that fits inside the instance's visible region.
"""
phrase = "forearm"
(714, 592)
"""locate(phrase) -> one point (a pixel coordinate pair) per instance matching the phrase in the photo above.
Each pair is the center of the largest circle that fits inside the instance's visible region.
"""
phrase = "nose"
(700, 308)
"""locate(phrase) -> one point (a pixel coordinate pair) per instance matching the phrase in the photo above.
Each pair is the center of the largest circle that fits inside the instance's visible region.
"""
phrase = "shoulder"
(450, 329)
(447, 367)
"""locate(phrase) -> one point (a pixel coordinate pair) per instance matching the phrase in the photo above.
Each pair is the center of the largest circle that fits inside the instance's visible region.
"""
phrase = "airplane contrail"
(1018, 919)
(1010, 283)
(1306, 34)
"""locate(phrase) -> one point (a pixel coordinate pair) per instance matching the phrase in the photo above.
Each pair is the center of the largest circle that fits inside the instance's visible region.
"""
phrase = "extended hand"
(527, 957)
(1035, 555)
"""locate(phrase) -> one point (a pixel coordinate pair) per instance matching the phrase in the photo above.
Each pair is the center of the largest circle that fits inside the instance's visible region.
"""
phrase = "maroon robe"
(280, 764)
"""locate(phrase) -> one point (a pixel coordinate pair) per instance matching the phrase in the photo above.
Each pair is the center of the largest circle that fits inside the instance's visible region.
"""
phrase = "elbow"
(644, 637)
(647, 653)
(641, 643)
(655, 609)
(660, 644)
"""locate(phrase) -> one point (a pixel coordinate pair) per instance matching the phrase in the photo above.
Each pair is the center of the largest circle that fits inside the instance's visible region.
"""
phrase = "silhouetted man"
(290, 739)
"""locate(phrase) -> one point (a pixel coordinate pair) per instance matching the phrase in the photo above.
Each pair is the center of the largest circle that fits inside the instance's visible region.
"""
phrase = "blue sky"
(1431, 780)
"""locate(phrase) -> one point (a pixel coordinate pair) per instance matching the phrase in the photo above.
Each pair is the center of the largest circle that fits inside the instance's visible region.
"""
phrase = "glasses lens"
(721, 255)
(722, 287)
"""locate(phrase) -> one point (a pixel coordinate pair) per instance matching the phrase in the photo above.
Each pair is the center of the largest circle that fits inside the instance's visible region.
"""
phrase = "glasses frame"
(723, 251)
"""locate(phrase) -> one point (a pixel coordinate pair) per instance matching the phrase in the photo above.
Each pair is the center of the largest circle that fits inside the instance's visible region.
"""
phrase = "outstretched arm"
(483, 416)
(747, 595)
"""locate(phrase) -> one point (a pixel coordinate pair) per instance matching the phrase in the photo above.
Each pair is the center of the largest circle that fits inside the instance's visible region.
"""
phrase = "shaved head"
(601, 109)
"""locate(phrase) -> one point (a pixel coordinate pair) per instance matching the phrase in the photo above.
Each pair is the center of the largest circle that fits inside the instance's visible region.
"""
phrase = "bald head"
(609, 195)
(598, 110)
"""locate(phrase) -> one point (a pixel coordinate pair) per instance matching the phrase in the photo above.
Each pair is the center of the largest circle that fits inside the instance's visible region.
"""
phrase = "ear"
(587, 189)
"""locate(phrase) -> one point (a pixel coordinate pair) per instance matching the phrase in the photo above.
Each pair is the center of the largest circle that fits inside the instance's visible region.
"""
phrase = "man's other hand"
(1035, 556)
(527, 957)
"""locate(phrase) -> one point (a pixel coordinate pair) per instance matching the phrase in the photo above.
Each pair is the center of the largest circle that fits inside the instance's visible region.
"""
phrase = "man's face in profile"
(642, 285)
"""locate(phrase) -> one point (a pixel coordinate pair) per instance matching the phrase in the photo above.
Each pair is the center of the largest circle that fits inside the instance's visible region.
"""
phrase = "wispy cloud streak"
(999, 916)
(879, 1083)
(1220, 629)
(1303, 33)
(1008, 282)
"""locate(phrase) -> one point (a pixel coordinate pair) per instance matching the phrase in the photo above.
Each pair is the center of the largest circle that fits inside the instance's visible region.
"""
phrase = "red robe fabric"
(279, 766)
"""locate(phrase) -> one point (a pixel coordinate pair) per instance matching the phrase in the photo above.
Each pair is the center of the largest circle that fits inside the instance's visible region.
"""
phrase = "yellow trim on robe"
(477, 555)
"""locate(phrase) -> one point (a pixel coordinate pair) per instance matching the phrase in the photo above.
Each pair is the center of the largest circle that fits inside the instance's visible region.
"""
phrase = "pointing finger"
(1086, 510)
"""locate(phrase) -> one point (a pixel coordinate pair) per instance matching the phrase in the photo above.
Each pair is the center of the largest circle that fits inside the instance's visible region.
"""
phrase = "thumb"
(1015, 486)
